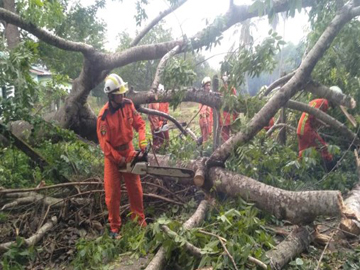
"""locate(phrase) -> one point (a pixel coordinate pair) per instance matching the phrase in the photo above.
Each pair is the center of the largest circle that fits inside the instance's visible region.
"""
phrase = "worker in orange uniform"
(115, 125)
(308, 135)
(270, 125)
(160, 138)
(206, 114)
(227, 118)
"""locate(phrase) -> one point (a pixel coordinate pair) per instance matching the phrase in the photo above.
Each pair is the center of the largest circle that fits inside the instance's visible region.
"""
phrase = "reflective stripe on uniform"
(312, 104)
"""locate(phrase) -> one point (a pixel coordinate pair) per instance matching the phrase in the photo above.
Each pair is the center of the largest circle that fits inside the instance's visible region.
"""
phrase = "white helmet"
(336, 89)
(205, 81)
(161, 87)
(114, 84)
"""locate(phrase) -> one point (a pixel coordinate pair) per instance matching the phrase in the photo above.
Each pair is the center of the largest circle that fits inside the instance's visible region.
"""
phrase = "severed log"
(298, 241)
(349, 226)
(159, 261)
(31, 241)
(200, 173)
(300, 207)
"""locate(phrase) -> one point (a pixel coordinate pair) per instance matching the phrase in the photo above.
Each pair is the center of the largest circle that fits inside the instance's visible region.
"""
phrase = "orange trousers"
(225, 133)
(112, 185)
(312, 139)
(205, 127)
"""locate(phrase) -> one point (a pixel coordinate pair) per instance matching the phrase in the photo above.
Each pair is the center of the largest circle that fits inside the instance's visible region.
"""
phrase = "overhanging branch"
(42, 34)
(157, 19)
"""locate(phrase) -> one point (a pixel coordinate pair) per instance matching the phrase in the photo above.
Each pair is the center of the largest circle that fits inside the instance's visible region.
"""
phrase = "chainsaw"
(167, 127)
(140, 165)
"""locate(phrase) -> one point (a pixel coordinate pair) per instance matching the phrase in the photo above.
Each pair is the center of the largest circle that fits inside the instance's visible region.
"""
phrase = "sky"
(190, 18)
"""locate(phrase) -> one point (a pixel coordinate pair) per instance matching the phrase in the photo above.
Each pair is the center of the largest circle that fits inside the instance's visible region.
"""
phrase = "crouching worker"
(309, 137)
(115, 125)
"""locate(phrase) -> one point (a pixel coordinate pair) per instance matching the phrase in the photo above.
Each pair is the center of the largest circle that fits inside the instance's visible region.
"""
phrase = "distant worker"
(115, 125)
(227, 118)
(270, 125)
(308, 135)
(206, 114)
(160, 138)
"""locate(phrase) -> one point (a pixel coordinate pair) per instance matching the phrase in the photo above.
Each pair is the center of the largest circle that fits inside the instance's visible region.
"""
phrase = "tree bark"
(12, 33)
(298, 241)
(335, 97)
(300, 207)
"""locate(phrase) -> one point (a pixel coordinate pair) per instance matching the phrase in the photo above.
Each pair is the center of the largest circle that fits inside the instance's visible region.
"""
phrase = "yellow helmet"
(114, 84)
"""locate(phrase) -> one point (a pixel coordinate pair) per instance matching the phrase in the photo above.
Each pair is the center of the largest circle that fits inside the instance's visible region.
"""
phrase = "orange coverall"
(157, 122)
(115, 133)
(205, 121)
(271, 123)
(225, 121)
(307, 134)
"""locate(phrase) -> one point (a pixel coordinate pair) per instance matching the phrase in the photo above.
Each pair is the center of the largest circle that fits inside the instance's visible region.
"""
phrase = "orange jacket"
(225, 120)
(156, 122)
(271, 123)
(307, 121)
(115, 129)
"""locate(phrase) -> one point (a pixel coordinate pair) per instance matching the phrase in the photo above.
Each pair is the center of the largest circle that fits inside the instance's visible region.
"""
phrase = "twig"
(223, 241)
(322, 254)
(165, 189)
(48, 187)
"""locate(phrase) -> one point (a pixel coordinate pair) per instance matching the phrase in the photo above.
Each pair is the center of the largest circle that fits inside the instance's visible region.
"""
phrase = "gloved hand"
(122, 163)
(143, 145)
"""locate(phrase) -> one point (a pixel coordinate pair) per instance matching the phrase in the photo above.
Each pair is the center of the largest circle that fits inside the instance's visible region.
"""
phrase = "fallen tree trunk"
(300, 207)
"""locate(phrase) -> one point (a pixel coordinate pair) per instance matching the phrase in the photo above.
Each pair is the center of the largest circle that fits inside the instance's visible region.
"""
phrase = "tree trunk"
(300, 207)
(12, 33)
(282, 132)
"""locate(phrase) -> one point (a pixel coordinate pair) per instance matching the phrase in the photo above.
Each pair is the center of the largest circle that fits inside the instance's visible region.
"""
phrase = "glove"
(143, 145)
(122, 163)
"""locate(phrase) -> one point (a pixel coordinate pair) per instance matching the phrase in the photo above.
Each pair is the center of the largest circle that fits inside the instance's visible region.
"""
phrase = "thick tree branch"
(157, 19)
(44, 35)
(297, 82)
(325, 92)
(164, 115)
(161, 67)
(298, 241)
(279, 82)
(351, 136)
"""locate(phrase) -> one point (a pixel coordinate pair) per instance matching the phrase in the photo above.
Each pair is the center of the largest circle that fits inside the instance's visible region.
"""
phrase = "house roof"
(40, 71)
